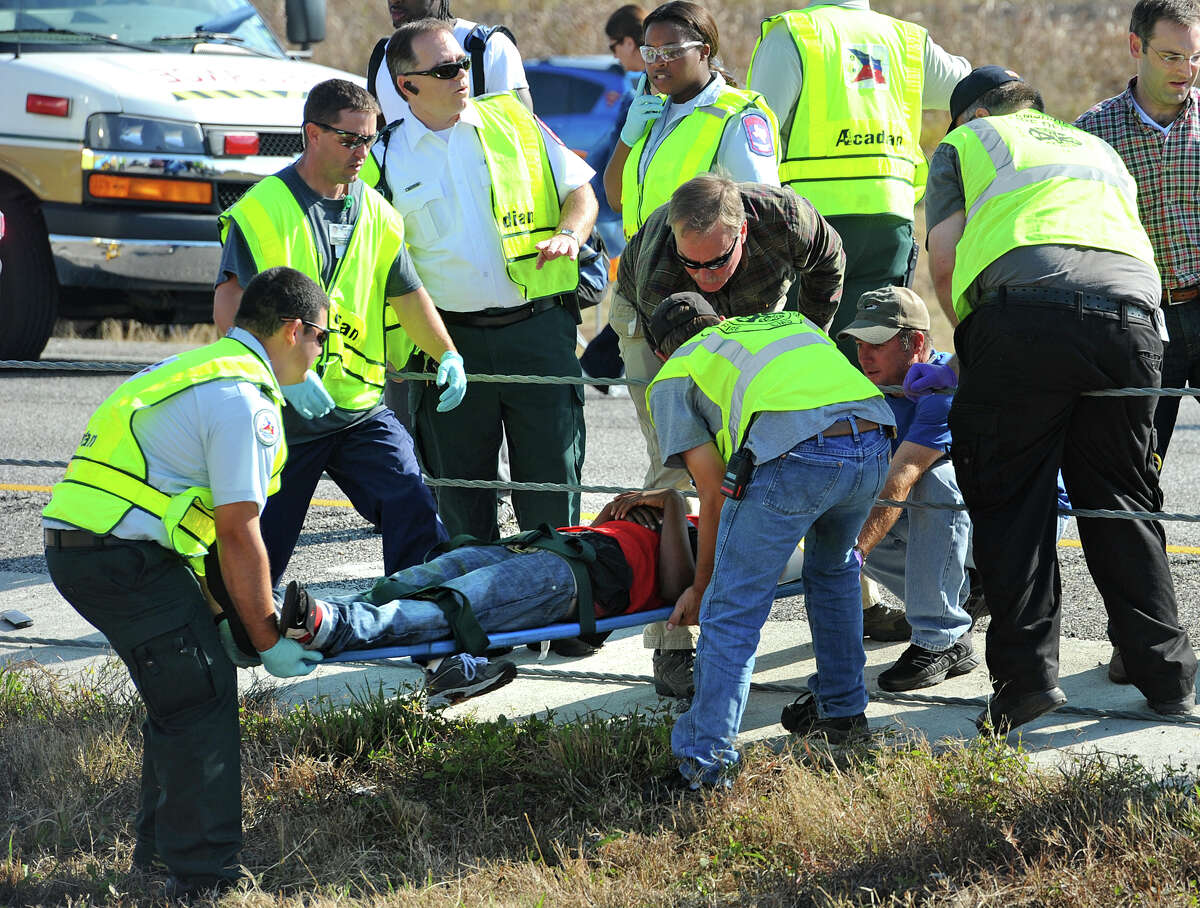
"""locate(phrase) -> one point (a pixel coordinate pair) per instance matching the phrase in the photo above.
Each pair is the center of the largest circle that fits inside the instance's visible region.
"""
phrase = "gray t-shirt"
(685, 418)
(332, 222)
(1098, 271)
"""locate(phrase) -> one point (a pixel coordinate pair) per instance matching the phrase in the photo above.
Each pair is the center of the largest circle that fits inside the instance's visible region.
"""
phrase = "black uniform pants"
(148, 604)
(1017, 417)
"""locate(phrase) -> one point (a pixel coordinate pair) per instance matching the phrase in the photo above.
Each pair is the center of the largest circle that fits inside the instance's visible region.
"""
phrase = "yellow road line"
(343, 503)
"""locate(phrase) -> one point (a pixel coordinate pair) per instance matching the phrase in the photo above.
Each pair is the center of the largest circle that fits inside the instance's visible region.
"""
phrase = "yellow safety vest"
(776, 361)
(690, 148)
(364, 333)
(106, 477)
(1032, 180)
(854, 145)
(524, 195)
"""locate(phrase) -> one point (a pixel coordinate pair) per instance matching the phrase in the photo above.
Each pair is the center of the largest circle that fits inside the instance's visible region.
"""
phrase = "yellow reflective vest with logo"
(107, 475)
(364, 332)
(690, 148)
(524, 195)
(1032, 180)
(854, 145)
(776, 361)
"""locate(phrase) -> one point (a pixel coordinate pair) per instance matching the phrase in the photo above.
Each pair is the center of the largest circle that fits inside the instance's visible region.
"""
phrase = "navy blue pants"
(374, 464)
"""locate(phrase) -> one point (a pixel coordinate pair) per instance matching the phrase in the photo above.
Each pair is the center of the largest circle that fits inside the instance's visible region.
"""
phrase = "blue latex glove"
(642, 112)
(309, 397)
(232, 650)
(288, 659)
(922, 378)
(451, 374)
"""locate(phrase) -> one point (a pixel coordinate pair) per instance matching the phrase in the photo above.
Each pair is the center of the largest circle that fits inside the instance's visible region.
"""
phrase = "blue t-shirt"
(925, 420)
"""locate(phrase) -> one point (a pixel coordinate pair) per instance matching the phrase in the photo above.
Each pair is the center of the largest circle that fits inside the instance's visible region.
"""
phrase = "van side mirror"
(305, 21)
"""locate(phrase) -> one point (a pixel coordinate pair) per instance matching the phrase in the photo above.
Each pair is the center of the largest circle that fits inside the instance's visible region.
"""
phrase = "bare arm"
(676, 563)
(613, 174)
(246, 570)
(942, 243)
(909, 464)
(524, 97)
(707, 467)
(419, 317)
(579, 210)
(226, 300)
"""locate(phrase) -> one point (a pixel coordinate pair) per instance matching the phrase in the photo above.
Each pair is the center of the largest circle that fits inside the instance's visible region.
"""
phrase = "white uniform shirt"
(221, 435)
(502, 71)
(441, 186)
(736, 155)
(778, 73)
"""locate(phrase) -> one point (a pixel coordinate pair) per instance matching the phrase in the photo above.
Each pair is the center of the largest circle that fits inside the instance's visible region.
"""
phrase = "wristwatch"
(567, 231)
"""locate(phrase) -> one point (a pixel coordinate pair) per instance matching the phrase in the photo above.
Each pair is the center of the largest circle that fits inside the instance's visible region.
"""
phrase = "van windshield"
(143, 23)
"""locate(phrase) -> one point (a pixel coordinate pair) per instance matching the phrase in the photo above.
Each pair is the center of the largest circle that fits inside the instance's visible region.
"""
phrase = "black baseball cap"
(677, 309)
(975, 85)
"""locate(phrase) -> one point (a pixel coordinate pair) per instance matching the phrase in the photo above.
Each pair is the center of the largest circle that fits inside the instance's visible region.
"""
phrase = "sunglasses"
(351, 140)
(712, 264)
(444, 70)
(321, 333)
(667, 52)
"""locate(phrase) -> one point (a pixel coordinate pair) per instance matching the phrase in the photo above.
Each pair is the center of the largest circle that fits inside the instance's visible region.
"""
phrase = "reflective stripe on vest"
(524, 195)
(690, 148)
(772, 362)
(1032, 180)
(854, 144)
(364, 330)
(106, 476)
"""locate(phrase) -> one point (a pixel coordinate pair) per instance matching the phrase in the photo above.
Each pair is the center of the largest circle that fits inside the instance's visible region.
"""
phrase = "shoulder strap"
(474, 44)
(377, 55)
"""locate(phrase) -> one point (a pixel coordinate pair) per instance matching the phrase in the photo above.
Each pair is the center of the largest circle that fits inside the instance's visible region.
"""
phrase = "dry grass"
(384, 803)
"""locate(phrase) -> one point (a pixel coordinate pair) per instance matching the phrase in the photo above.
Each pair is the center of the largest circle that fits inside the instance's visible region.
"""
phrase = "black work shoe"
(976, 605)
(918, 667)
(570, 647)
(1181, 706)
(299, 619)
(1116, 668)
(673, 673)
(184, 889)
(801, 717)
(464, 676)
(885, 623)
(1005, 711)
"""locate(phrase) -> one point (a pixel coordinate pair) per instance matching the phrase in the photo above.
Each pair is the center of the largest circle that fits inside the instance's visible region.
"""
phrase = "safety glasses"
(444, 70)
(712, 264)
(351, 140)
(667, 52)
(321, 333)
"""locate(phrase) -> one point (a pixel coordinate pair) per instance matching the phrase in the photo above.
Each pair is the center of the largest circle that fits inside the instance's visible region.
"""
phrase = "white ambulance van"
(125, 128)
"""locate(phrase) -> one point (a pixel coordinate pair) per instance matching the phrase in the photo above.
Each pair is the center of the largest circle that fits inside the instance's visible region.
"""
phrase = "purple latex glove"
(859, 557)
(922, 378)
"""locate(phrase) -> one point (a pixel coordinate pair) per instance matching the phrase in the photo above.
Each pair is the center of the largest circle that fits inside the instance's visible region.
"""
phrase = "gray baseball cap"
(882, 313)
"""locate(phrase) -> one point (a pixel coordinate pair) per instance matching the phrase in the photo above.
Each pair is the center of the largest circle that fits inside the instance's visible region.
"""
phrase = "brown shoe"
(885, 623)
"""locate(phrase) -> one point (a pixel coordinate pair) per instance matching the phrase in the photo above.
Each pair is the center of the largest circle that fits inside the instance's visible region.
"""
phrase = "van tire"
(28, 286)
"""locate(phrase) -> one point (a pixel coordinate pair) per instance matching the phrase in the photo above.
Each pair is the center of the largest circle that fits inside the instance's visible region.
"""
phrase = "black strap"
(376, 61)
(220, 593)
(474, 44)
(463, 624)
(380, 152)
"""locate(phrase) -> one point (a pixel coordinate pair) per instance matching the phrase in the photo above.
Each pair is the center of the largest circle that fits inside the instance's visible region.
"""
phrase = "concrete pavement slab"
(616, 681)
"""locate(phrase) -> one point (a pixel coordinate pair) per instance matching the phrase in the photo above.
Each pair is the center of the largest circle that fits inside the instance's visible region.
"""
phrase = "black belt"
(77, 539)
(1173, 295)
(1082, 303)
(499, 317)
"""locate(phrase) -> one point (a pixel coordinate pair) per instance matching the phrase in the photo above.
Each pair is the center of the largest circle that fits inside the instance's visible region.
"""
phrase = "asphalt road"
(43, 414)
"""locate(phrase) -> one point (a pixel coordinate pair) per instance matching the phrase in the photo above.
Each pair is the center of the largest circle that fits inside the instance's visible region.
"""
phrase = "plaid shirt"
(1167, 170)
(786, 240)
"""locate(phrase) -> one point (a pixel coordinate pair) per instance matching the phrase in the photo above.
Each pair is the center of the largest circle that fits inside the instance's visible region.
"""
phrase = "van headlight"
(121, 132)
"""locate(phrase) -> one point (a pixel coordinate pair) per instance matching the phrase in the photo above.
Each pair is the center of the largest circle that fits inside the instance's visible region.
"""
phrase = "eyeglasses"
(712, 264)
(1176, 59)
(612, 45)
(667, 52)
(351, 140)
(321, 333)
(444, 70)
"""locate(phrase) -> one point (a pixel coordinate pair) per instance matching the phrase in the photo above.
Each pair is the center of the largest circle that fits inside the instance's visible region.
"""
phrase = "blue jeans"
(821, 490)
(508, 591)
(923, 559)
(374, 464)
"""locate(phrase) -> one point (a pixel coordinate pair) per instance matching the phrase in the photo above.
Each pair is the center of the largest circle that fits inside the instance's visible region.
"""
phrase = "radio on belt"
(737, 474)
